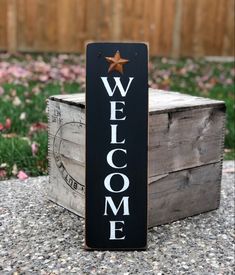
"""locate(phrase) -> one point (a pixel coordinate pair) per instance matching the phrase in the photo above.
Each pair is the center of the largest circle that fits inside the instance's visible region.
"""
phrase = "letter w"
(125, 201)
(118, 84)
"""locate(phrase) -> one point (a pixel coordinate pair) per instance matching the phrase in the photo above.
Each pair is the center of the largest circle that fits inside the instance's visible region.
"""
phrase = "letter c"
(110, 158)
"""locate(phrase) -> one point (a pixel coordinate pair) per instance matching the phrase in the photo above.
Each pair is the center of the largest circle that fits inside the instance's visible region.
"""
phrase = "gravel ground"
(39, 237)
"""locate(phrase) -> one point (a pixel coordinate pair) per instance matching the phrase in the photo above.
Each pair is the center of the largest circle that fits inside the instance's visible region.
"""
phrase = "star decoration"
(116, 62)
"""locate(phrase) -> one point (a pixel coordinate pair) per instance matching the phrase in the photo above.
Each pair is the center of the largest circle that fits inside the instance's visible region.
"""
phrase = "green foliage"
(23, 100)
(15, 143)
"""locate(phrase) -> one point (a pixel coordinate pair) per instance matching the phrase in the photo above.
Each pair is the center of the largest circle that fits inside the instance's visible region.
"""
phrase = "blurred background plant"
(26, 81)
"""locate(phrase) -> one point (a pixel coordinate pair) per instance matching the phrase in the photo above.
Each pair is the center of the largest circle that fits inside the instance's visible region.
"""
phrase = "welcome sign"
(116, 146)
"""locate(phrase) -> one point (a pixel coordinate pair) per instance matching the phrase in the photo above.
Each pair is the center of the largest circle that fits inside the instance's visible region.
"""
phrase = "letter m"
(124, 201)
(118, 85)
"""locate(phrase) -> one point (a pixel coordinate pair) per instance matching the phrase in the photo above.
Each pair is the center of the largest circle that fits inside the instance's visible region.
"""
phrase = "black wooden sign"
(116, 146)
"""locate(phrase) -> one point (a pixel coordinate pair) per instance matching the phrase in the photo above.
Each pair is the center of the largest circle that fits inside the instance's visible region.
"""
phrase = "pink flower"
(1, 90)
(38, 126)
(43, 78)
(65, 72)
(3, 173)
(8, 123)
(34, 147)
(22, 175)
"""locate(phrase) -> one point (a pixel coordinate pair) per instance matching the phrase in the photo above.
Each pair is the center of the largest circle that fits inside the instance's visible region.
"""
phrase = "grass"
(17, 149)
(200, 78)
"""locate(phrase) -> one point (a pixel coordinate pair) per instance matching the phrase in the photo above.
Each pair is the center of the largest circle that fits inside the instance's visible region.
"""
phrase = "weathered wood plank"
(159, 100)
(11, 26)
(62, 114)
(3, 24)
(188, 26)
(58, 189)
(60, 192)
(184, 139)
(184, 193)
(228, 43)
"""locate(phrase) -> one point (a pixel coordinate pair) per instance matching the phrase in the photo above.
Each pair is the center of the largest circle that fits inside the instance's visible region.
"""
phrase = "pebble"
(40, 237)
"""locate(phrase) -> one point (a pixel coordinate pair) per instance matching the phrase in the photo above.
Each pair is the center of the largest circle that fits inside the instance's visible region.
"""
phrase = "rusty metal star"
(116, 62)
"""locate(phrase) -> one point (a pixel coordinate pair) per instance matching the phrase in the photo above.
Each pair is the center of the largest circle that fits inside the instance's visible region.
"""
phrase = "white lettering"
(107, 180)
(124, 201)
(114, 135)
(110, 158)
(114, 110)
(117, 84)
(113, 230)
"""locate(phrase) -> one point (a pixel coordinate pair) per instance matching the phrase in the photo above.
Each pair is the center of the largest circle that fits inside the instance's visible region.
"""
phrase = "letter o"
(108, 178)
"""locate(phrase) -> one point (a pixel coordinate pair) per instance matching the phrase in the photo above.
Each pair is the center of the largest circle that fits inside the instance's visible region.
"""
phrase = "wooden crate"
(186, 137)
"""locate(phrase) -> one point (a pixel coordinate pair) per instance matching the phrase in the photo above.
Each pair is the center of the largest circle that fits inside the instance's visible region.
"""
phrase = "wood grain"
(11, 26)
(184, 193)
(160, 101)
(171, 27)
(3, 24)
